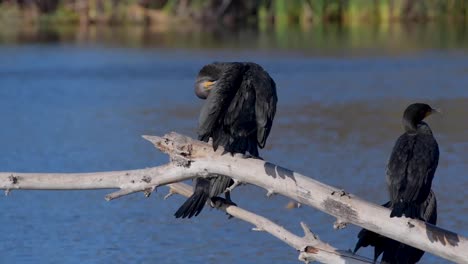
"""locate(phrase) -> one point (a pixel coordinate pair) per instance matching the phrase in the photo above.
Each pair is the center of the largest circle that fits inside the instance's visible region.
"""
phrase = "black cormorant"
(412, 163)
(410, 171)
(394, 251)
(238, 115)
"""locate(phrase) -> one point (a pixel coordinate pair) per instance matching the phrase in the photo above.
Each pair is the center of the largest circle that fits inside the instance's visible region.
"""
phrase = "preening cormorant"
(238, 115)
(394, 251)
(412, 164)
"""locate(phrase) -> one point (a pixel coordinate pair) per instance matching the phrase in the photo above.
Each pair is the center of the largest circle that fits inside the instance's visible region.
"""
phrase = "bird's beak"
(207, 85)
(434, 111)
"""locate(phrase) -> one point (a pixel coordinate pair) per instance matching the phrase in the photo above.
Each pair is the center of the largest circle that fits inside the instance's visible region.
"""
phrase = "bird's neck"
(410, 126)
(424, 128)
(417, 128)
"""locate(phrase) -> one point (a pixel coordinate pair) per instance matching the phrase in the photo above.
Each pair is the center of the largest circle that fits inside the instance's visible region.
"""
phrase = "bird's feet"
(218, 203)
(247, 156)
(233, 186)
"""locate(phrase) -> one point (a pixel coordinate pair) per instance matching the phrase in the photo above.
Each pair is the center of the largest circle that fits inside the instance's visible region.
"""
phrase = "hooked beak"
(207, 85)
(203, 88)
(433, 111)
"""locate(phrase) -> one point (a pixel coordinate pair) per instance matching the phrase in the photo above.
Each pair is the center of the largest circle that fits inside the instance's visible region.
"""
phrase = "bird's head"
(206, 79)
(415, 114)
(203, 88)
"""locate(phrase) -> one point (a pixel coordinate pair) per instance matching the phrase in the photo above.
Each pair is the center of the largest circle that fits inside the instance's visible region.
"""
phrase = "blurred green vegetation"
(322, 26)
(231, 12)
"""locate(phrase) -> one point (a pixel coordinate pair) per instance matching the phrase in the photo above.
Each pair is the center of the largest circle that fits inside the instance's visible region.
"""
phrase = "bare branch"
(307, 233)
(344, 206)
(191, 158)
(321, 252)
(127, 191)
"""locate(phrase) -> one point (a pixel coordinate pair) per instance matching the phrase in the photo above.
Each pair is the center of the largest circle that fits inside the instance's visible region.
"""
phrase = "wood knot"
(341, 193)
(311, 250)
(181, 157)
(13, 179)
(146, 179)
(186, 150)
(181, 161)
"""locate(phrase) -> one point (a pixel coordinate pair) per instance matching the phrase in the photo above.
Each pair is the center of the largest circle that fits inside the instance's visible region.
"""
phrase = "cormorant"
(412, 163)
(410, 171)
(394, 251)
(238, 115)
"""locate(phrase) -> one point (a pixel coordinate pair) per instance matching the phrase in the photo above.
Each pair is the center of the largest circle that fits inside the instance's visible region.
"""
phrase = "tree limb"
(191, 158)
(311, 248)
(345, 207)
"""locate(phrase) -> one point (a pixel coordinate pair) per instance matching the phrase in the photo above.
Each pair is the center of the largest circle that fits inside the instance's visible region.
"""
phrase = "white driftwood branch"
(198, 156)
(311, 248)
(191, 158)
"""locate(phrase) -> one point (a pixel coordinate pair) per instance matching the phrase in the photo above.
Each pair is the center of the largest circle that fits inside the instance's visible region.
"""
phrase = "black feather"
(369, 238)
(410, 171)
(195, 203)
(239, 111)
(394, 251)
(238, 115)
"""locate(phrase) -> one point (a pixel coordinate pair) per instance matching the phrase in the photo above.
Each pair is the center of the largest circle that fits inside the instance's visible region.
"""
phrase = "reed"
(281, 12)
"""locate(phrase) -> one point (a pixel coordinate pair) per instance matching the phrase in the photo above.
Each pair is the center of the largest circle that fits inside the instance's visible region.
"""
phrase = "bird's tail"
(195, 203)
(369, 238)
(366, 238)
(410, 210)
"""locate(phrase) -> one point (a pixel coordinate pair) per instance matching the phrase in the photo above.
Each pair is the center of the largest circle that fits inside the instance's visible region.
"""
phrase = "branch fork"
(191, 158)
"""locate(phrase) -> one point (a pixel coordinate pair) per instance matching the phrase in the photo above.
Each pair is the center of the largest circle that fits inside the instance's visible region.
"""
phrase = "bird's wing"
(421, 169)
(250, 115)
(396, 168)
(219, 184)
(411, 168)
(265, 103)
(430, 209)
(240, 117)
(218, 100)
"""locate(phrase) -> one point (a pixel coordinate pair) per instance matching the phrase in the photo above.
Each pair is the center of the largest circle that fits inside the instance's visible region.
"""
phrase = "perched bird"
(394, 251)
(412, 163)
(410, 171)
(238, 115)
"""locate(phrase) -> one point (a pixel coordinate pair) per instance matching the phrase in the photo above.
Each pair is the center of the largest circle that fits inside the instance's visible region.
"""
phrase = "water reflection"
(325, 39)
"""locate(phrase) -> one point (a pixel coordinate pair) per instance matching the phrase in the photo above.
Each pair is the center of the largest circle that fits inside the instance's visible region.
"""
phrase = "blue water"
(72, 108)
